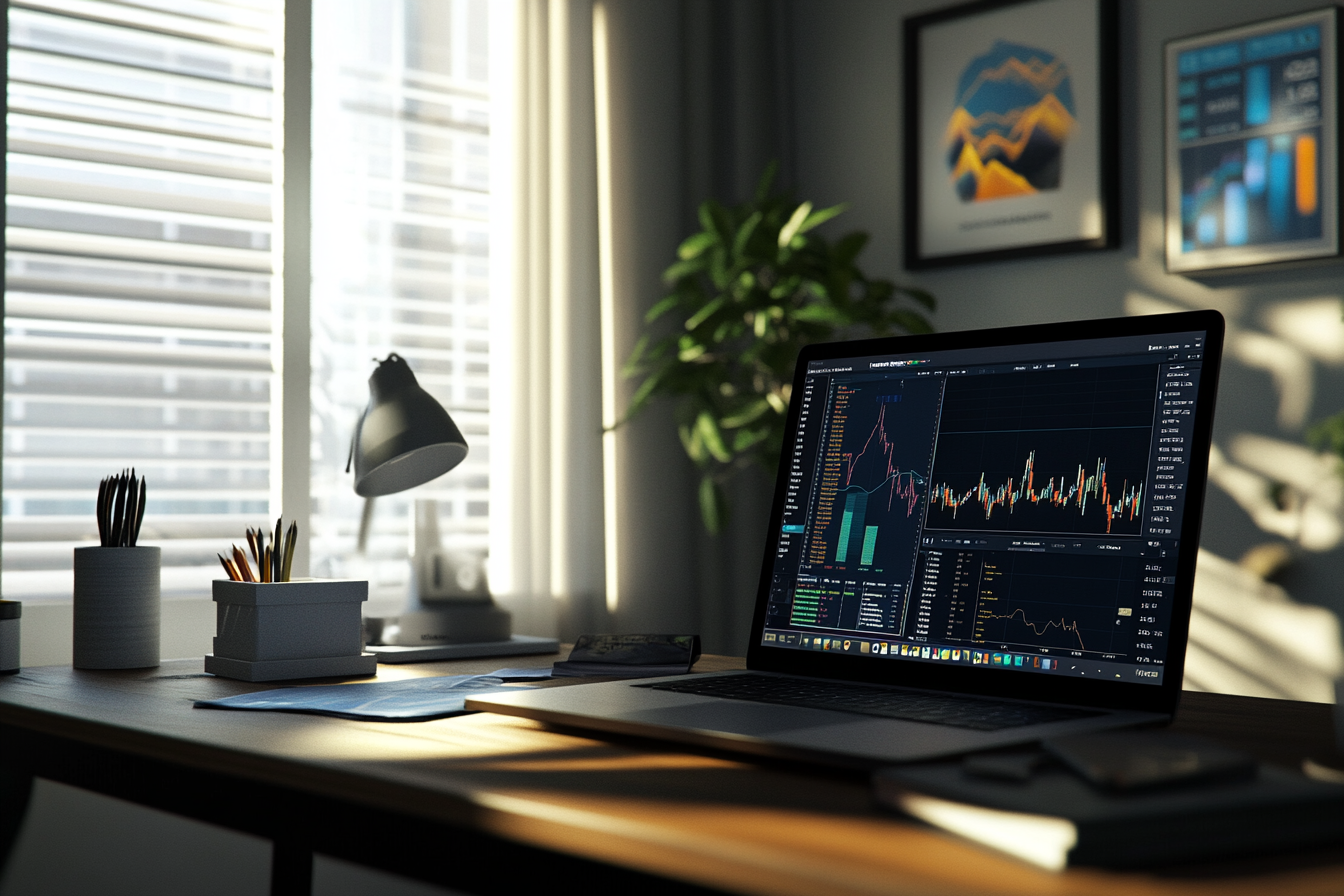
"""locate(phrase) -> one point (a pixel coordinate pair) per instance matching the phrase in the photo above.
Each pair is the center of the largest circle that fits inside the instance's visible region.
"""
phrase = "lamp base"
(447, 623)
(518, 645)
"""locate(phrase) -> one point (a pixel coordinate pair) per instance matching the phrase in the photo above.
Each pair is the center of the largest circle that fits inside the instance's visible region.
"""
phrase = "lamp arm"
(365, 524)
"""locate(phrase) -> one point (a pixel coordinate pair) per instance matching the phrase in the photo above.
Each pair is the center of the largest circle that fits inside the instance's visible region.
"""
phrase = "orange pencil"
(241, 559)
(228, 568)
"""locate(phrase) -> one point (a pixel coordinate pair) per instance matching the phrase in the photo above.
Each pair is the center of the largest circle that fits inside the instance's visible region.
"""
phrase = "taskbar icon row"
(913, 651)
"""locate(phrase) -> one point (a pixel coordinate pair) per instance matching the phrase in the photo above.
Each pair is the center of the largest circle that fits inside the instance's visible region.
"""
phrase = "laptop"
(978, 539)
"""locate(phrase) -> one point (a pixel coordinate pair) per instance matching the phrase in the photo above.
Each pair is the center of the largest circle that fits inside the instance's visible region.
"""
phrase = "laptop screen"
(998, 507)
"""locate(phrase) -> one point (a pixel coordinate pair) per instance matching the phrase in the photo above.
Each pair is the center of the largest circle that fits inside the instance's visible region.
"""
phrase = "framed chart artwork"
(1252, 144)
(1010, 131)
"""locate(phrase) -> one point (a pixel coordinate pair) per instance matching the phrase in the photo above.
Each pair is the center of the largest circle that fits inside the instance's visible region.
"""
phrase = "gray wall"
(1284, 360)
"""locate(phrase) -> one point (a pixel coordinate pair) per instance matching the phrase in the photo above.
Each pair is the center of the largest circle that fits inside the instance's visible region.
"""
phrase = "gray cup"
(116, 608)
(10, 611)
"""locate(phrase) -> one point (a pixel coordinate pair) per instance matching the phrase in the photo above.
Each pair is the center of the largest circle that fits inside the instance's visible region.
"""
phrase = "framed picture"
(1252, 144)
(1010, 131)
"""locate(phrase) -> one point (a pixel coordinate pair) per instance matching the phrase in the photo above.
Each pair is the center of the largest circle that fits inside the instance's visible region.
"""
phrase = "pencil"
(291, 537)
(241, 559)
(228, 568)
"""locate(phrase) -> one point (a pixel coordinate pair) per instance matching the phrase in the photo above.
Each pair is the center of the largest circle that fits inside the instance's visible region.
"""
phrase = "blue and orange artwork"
(1013, 115)
(1251, 192)
(1248, 119)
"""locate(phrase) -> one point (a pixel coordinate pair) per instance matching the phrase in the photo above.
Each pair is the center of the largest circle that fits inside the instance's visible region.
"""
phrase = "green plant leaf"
(746, 439)
(713, 505)
(695, 244)
(821, 217)
(692, 443)
(704, 313)
(708, 430)
(718, 268)
(750, 414)
(748, 291)
(682, 269)
(664, 305)
(635, 363)
(763, 185)
(817, 312)
(714, 218)
(790, 228)
(706, 215)
(643, 395)
(744, 234)
(1329, 435)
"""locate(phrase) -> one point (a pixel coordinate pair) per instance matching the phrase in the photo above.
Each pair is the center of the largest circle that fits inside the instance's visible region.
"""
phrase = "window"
(140, 322)
(138, 272)
(401, 152)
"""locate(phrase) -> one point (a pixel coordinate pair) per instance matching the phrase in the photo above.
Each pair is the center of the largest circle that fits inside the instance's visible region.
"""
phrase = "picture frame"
(1252, 144)
(1010, 131)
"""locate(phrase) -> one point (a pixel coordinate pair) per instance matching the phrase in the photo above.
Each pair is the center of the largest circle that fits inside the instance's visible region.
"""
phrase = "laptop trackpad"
(739, 718)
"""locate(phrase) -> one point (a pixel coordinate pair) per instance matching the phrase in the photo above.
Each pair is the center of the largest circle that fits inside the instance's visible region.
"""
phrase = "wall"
(187, 629)
(1286, 343)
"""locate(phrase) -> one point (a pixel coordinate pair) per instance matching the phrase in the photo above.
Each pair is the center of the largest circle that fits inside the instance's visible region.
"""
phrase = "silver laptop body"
(1002, 518)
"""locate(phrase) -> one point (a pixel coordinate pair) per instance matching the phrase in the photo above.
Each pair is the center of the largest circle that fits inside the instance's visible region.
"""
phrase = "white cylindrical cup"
(10, 611)
(116, 608)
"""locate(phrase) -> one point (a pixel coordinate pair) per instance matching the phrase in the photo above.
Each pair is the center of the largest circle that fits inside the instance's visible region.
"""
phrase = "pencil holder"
(10, 611)
(305, 628)
(116, 607)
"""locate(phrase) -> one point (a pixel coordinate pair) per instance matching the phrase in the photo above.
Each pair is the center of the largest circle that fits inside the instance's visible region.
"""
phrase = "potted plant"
(749, 289)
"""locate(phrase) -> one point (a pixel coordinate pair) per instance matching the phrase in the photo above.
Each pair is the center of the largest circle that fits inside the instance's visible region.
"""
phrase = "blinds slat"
(153, 22)
(139, 271)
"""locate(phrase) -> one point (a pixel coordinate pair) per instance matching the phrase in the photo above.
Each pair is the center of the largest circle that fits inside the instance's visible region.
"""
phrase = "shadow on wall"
(1272, 499)
(1247, 636)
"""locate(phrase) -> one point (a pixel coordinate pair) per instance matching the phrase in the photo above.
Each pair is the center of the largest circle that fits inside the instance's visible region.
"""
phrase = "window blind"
(138, 318)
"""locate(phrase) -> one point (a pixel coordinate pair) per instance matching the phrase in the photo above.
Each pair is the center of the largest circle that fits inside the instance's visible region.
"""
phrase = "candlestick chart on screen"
(877, 441)
(1043, 452)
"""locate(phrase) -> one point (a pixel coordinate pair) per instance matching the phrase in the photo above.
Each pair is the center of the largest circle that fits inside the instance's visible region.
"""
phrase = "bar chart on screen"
(876, 447)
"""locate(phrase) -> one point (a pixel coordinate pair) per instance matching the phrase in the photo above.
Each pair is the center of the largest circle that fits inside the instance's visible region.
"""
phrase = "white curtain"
(627, 113)
(547, 502)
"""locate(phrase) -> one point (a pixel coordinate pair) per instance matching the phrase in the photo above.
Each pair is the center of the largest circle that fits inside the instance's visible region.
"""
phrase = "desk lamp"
(403, 439)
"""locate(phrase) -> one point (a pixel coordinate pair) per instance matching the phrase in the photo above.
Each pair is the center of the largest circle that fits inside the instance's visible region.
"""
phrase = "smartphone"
(1141, 760)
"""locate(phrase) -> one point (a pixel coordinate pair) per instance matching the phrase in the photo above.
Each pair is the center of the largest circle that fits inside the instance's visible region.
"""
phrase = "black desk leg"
(291, 867)
(16, 787)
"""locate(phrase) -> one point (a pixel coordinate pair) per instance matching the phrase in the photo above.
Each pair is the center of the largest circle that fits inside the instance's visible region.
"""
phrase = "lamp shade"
(404, 438)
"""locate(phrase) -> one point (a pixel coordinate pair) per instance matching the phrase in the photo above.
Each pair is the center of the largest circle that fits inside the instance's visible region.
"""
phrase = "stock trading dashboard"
(1015, 506)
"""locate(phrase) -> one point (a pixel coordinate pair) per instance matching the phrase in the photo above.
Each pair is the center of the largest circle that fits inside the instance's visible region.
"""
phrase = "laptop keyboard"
(872, 700)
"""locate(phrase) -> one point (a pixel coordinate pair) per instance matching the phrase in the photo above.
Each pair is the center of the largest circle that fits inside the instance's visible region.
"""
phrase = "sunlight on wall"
(1247, 635)
(1313, 325)
(1288, 367)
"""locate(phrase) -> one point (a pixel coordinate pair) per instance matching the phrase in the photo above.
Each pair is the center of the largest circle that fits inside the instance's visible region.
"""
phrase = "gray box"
(301, 619)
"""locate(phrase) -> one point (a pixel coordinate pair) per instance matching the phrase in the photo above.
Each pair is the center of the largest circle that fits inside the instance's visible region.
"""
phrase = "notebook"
(978, 538)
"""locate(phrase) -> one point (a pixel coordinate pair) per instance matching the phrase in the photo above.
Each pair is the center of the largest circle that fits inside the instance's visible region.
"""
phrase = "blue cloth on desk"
(408, 700)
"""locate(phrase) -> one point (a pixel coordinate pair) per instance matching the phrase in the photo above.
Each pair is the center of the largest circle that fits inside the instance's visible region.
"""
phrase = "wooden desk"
(494, 804)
